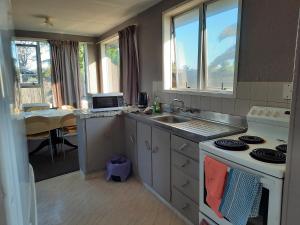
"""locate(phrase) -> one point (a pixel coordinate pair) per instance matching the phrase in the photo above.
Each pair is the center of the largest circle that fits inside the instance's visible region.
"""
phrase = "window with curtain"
(33, 67)
(201, 47)
(110, 59)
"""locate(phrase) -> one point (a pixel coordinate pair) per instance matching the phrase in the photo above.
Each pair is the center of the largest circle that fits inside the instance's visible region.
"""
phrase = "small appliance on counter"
(142, 100)
(107, 102)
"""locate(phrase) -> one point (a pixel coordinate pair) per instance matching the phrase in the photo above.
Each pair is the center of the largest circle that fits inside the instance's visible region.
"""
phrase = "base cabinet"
(161, 161)
(154, 158)
(144, 152)
(130, 141)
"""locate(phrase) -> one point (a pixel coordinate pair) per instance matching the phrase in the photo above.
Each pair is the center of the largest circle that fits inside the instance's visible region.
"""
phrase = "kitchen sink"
(172, 119)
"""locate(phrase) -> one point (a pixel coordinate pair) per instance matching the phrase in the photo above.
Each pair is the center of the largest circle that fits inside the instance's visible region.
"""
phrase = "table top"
(54, 116)
(46, 113)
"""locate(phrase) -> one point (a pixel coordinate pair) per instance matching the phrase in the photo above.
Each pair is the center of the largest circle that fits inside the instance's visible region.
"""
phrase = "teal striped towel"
(242, 195)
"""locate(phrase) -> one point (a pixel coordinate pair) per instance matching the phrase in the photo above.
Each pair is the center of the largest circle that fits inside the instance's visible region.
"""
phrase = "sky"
(187, 38)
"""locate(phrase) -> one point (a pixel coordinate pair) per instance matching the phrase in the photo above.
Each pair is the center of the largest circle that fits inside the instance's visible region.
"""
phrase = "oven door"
(270, 206)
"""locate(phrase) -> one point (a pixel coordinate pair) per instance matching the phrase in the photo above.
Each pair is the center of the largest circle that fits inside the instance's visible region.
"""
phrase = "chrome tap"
(178, 108)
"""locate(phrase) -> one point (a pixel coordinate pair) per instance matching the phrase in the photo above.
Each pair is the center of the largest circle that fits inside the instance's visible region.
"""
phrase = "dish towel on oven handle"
(242, 196)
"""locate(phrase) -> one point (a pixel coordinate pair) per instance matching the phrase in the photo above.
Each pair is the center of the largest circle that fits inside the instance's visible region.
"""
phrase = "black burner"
(282, 148)
(268, 155)
(251, 139)
(233, 145)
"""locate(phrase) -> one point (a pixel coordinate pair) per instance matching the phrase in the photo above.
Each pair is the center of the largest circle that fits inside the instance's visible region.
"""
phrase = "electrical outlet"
(288, 91)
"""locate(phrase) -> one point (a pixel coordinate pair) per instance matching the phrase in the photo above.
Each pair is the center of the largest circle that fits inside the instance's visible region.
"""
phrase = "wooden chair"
(35, 108)
(38, 128)
(67, 107)
(28, 107)
(67, 128)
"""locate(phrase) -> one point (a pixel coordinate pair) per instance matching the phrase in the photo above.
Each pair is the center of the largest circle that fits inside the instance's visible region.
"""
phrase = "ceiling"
(79, 17)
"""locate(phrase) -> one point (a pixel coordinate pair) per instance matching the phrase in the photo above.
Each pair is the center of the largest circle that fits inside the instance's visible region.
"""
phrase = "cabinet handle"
(132, 139)
(185, 184)
(148, 145)
(182, 147)
(185, 206)
(185, 164)
(155, 150)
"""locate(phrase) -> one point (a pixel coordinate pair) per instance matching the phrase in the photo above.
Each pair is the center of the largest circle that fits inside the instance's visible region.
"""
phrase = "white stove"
(270, 126)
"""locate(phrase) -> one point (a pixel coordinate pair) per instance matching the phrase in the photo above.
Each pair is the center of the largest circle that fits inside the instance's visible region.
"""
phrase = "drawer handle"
(132, 139)
(155, 150)
(185, 184)
(185, 206)
(182, 147)
(187, 162)
(148, 145)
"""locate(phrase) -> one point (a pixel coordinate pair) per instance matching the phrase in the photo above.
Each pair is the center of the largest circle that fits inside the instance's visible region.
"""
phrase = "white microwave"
(107, 102)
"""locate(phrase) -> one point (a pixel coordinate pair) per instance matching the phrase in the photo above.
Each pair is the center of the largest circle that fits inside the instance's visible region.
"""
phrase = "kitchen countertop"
(196, 129)
(206, 126)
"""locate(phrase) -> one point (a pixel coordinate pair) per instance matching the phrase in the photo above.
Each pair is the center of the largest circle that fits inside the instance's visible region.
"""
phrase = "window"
(110, 65)
(28, 60)
(201, 47)
(33, 67)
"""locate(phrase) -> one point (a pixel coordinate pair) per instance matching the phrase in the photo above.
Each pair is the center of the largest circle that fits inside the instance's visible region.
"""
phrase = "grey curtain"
(65, 73)
(129, 64)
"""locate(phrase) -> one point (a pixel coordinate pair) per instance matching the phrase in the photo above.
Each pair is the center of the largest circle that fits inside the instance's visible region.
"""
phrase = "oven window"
(262, 219)
(105, 102)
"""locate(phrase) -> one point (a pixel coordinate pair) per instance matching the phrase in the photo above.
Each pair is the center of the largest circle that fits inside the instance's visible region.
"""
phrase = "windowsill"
(208, 93)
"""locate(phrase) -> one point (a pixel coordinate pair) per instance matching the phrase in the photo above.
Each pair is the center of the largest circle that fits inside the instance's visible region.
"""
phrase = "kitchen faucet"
(178, 108)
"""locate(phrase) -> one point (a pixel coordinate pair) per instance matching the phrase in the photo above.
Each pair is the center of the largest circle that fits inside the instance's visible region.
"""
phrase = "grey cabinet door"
(161, 162)
(103, 141)
(144, 152)
(130, 142)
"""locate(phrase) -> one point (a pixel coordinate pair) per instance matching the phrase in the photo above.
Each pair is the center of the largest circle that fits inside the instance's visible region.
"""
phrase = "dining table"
(54, 116)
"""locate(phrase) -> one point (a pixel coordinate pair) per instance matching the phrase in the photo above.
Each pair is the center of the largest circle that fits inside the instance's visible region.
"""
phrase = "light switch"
(288, 91)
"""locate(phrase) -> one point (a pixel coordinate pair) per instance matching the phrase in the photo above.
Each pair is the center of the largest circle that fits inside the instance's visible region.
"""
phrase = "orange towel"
(215, 180)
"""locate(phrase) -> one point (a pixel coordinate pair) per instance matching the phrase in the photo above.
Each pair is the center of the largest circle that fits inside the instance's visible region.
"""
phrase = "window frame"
(102, 50)
(167, 18)
(39, 66)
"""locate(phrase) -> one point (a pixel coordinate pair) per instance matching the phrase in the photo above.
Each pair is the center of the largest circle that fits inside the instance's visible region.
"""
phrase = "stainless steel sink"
(171, 119)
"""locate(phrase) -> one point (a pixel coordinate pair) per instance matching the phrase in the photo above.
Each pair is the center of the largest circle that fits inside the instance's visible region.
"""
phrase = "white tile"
(187, 100)
(278, 104)
(205, 103)
(241, 107)
(228, 106)
(216, 104)
(195, 100)
(258, 103)
(243, 90)
(259, 91)
(275, 92)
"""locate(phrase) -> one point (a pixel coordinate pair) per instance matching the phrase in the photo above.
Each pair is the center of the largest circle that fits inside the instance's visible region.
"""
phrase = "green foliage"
(112, 51)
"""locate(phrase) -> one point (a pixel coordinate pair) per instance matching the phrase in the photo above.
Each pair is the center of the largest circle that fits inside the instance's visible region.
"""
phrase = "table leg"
(55, 140)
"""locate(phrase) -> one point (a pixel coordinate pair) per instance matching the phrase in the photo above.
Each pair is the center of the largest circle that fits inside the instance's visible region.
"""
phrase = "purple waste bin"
(118, 168)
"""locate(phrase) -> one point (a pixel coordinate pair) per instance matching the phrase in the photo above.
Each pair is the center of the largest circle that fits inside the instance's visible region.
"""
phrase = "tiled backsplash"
(248, 95)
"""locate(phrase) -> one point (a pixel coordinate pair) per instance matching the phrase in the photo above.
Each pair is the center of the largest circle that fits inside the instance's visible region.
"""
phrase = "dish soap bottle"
(156, 105)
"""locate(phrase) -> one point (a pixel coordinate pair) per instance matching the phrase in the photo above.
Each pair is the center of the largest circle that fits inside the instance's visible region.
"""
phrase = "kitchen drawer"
(186, 184)
(185, 206)
(186, 165)
(186, 147)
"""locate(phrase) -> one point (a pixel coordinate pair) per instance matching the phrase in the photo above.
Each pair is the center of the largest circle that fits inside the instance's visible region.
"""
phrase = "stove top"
(245, 157)
(268, 155)
(251, 139)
